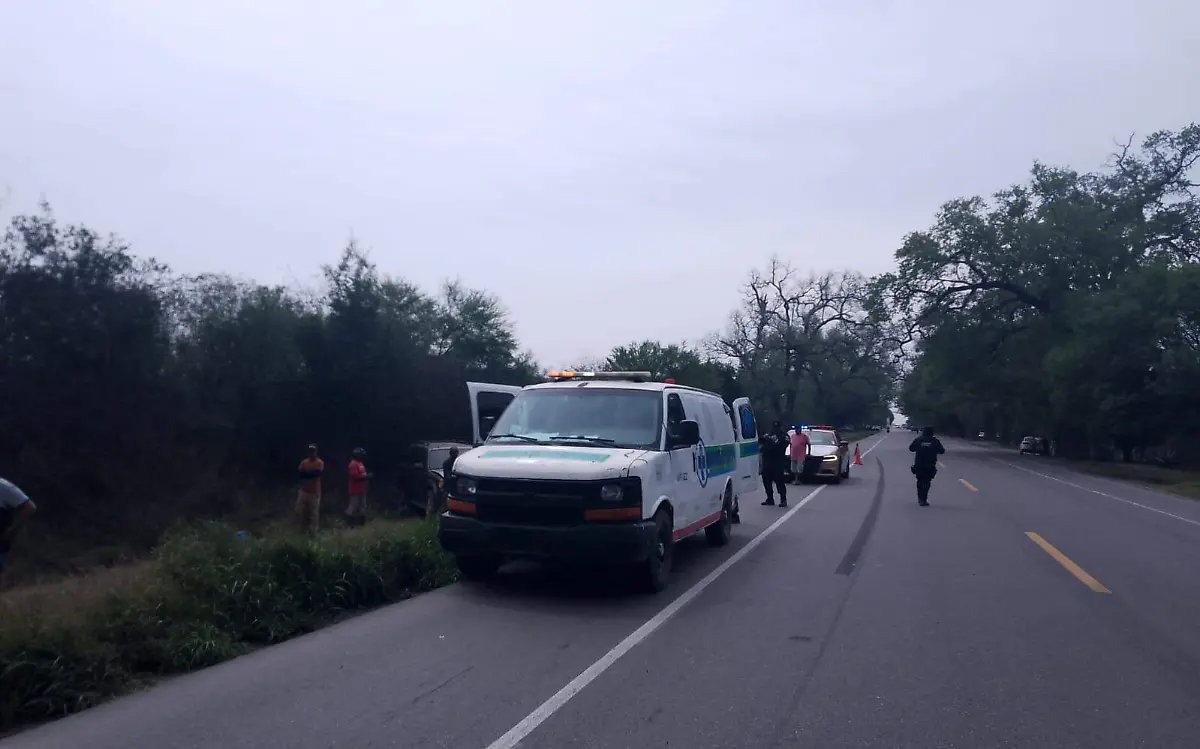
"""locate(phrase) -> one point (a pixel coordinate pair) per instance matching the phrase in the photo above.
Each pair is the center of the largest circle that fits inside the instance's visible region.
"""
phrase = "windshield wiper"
(523, 437)
(582, 438)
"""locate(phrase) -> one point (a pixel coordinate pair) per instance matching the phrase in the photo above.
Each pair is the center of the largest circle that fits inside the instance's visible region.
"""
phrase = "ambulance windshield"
(587, 416)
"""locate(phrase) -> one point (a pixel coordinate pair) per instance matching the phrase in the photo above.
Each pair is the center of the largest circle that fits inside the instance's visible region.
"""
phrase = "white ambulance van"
(599, 468)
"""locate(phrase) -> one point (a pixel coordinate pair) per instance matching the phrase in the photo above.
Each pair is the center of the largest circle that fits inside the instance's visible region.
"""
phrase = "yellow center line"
(1070, 566)
(967, 484)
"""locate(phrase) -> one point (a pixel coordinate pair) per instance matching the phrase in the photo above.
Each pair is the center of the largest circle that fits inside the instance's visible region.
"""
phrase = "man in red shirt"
(799, 444)
(359, 479)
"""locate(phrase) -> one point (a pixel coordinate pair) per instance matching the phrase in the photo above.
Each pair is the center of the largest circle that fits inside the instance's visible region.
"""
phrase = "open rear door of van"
(488, 401)
(746, 480)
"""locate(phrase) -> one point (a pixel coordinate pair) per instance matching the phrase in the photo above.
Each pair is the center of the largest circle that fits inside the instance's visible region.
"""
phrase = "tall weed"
(208, 596)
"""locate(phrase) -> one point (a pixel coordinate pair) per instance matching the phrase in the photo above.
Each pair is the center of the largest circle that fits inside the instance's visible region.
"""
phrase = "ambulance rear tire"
(478, 568)
(719, 533)
(737, 511)
(655, 572)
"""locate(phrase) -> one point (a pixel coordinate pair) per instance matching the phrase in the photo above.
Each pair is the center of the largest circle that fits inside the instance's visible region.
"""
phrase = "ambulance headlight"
(611, 493)
(466, 487)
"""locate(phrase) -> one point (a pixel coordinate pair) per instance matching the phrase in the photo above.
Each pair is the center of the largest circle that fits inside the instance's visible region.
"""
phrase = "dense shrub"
(208, 598)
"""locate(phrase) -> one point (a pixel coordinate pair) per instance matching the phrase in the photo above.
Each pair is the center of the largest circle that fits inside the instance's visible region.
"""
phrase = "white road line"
(1097, 491)
(521, 731)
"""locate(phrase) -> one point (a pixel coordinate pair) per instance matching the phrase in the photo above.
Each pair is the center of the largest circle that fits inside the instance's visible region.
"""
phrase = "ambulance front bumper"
(599, 543)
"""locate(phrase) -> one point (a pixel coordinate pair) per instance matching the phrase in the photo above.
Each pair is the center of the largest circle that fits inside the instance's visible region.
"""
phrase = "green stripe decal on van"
(722, 459)
(748, 448)
(525, 452)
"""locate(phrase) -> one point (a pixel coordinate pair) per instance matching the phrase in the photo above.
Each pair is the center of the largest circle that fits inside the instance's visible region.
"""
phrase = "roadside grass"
(1174, 480)
(49, 553)
(203, 597)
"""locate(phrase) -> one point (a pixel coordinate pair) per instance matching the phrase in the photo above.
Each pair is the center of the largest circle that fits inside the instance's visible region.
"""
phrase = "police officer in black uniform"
(773, 449)
(926, 450)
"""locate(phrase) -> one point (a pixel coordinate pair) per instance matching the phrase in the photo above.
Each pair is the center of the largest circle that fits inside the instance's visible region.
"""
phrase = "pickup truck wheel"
(478, 568)
(719, 533)
(655, 572)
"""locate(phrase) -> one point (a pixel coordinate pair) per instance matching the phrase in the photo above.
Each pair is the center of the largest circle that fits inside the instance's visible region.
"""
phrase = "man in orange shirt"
(308, 501)
(356, 512)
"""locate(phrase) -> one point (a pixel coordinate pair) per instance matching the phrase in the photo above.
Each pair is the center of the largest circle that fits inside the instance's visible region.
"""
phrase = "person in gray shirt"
(15, 510)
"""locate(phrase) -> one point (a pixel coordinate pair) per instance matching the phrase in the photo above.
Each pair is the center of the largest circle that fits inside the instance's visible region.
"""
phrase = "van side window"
(716, 416)
(675, 412)
(749, 432)
(491, 407)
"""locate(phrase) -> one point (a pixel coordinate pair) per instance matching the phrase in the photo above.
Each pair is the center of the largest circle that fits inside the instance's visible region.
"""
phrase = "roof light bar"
(564, 375)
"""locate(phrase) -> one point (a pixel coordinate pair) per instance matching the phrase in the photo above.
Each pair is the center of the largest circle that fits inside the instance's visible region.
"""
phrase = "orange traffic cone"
(857, 457)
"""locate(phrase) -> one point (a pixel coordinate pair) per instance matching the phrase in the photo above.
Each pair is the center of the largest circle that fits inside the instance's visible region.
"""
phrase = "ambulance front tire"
(655, 572)
(478, 568)
(719, 533)
(737, 511)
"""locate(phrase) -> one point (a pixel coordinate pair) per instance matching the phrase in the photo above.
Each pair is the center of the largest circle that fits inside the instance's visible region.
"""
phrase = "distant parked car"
(421, 477)
(830, 454)
(1035, 446)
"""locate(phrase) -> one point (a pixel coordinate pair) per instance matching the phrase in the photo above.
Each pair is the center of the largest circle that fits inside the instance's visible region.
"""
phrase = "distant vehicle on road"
(601, 468)
(981, 436)
(827, 444)
(1035, 446)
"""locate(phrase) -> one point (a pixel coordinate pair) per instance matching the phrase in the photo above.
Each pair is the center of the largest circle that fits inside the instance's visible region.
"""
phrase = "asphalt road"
(1026, 607)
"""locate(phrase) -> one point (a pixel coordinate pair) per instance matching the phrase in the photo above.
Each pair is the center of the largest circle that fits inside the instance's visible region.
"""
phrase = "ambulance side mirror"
(685, 435)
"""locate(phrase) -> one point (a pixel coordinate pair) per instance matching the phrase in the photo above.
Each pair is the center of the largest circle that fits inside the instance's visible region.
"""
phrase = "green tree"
(673, 361)
(1060, 306)
(82, 347)
(810, 347)
(132, 397)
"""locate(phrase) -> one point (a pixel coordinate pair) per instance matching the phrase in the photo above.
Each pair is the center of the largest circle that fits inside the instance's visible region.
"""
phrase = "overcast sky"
(612, 169)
